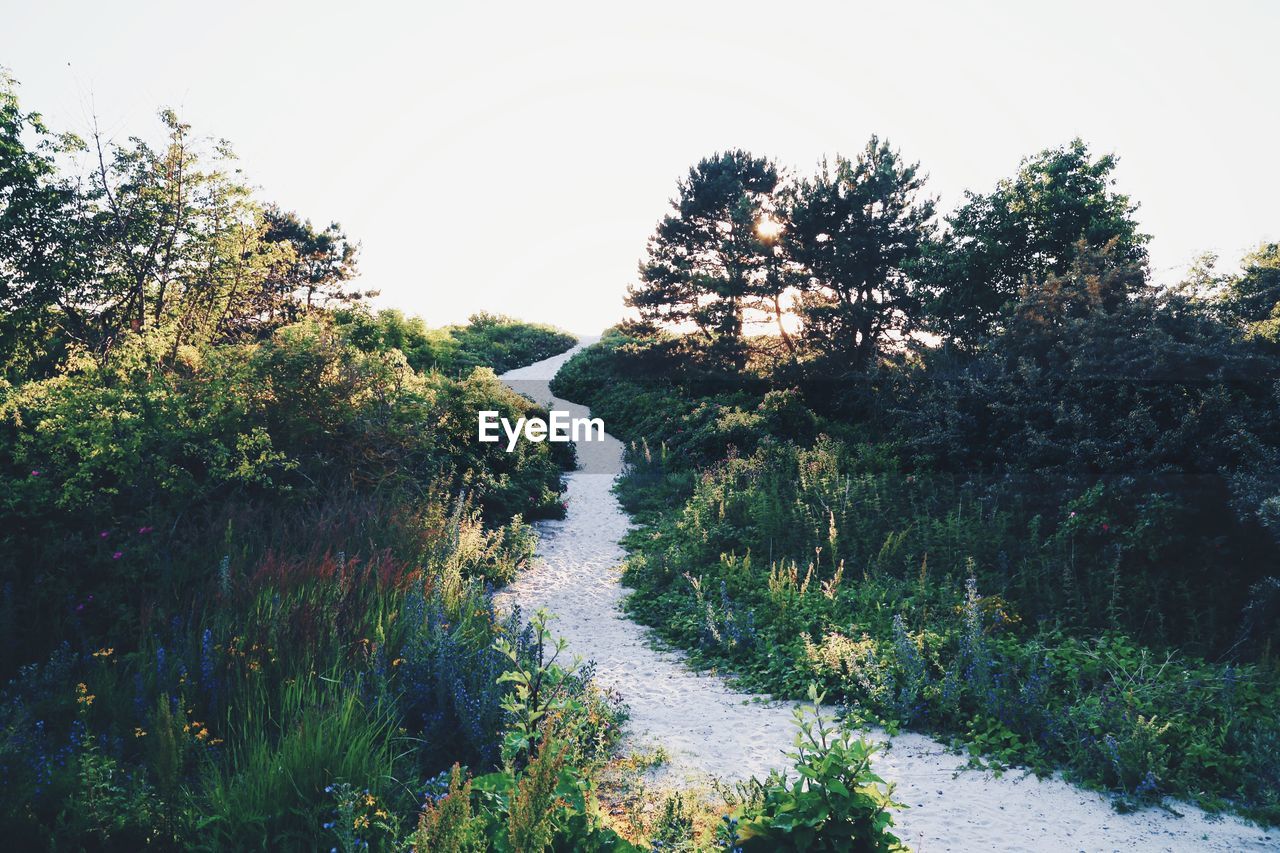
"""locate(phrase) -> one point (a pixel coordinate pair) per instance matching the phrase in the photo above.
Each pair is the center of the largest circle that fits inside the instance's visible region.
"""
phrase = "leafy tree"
(163, 238)
(315, 271)
(1093, 282)
(1202, 282)
(43, 268)
(178, 243)
(1025, 230)
(1252, 298)
(1102, 386)
(708, 262)
(853, 231)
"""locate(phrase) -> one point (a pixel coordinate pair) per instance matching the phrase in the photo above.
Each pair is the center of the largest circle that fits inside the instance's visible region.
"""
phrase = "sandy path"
(712, 730)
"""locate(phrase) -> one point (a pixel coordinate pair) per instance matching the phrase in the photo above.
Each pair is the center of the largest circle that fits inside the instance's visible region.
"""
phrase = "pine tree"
(707, 262)
(854, 230)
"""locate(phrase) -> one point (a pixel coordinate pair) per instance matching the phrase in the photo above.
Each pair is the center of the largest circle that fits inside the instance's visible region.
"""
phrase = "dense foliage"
(487, 340)
(247, 545)
(1049, 532)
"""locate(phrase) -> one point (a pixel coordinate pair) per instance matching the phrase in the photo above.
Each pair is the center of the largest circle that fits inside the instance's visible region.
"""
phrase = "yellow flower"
(138, 731)
(370, 800)
(83, 696)
(103, 653)
(397, 661)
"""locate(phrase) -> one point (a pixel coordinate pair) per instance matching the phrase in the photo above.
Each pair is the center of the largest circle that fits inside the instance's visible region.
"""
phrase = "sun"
(768, 228)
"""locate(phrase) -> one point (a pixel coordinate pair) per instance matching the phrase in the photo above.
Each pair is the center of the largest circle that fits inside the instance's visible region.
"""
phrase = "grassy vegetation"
(790, 548)
(247, 539)
(487, 340)
(247, 599)
(248, 542)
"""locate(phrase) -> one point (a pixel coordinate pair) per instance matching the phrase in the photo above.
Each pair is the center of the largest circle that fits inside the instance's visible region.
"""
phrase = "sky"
(515, 157)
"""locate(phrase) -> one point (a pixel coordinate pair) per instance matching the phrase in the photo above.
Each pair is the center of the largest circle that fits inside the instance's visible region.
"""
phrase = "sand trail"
(711, 730)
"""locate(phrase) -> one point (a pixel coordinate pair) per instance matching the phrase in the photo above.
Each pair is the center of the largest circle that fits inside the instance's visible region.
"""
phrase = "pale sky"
(515, 157)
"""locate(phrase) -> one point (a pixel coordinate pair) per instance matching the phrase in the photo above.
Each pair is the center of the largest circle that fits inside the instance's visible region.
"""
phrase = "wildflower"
(1106, 527)
(145, 530)
(139, 731)
(117, 555)
(104, 653)
(35, 473)
(104, 534)
(83, 696)
(397, 661)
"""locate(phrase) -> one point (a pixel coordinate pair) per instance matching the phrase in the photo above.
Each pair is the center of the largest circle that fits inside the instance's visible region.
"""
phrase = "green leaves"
(835, 801)
(537, 689)
(854, 232)
(707, 263)
(1027, 228)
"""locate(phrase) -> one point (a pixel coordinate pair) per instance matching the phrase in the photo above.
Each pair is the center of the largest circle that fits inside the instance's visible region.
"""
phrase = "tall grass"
(919, 601)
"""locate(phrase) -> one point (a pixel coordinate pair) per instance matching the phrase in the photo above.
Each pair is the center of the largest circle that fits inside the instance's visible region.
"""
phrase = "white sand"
(712, 730)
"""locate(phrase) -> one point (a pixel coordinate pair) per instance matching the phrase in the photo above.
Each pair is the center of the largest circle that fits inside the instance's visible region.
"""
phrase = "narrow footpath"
(710, 730)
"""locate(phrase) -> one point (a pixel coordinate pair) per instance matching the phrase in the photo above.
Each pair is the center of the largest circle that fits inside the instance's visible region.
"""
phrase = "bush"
(950, 600)
(488, 340)
(835, 802)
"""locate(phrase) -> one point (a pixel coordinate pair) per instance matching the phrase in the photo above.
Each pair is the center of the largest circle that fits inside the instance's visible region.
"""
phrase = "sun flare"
(768, 228)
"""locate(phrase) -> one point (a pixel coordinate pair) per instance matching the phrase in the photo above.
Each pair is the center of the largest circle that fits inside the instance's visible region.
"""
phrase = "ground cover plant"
(487, 340)
(248, 545)
(247, 550)
(1045, 528)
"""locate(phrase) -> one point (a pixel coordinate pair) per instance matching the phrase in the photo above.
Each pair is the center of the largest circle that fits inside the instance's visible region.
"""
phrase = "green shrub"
(834, 802)
(487, 340)
(944, 600)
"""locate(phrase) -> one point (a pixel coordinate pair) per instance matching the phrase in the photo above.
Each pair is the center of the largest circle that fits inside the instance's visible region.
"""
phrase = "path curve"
(709, 729)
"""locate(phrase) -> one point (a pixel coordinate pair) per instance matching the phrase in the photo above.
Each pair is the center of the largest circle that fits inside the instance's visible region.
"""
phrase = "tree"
(1101, 392)
(1252, 298)
(1025, 230)
(44, 268)
(179, 243)
(316, 270)
(1095, 281)
(854, 231)
(707, 262)
(163, 239)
